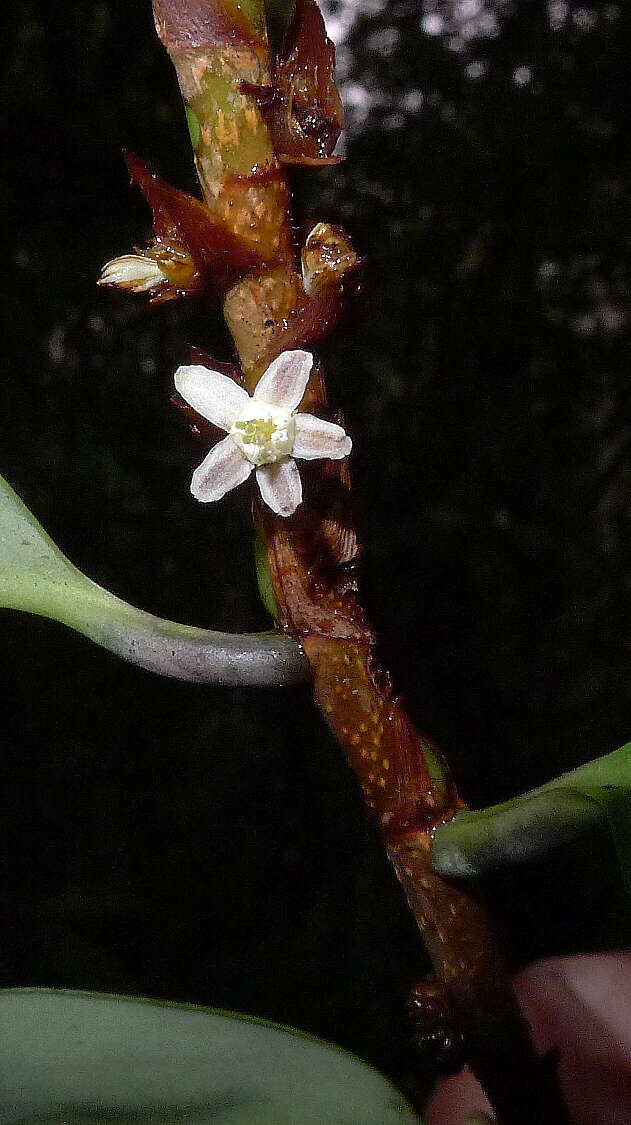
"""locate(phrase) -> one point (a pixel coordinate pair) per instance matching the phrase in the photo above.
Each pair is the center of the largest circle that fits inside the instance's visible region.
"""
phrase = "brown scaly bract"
(303, 106)
(309, 120)
(186, 226)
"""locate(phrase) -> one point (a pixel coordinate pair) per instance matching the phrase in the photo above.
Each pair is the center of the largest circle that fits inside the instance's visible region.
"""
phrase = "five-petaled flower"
(264, 432)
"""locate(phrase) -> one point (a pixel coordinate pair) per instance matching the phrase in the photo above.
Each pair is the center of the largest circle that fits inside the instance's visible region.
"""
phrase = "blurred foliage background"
(209, 845)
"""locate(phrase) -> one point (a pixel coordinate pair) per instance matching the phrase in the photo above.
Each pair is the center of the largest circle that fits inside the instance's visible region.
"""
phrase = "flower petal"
(316, 438)
(222, 469)
(280, 485)
(211, 394)
(285, 381)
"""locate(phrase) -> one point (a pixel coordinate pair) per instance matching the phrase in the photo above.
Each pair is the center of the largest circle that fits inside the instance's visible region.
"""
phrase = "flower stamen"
(264, 433)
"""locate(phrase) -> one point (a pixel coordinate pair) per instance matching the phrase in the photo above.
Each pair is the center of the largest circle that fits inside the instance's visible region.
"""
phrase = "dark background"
(209, 845)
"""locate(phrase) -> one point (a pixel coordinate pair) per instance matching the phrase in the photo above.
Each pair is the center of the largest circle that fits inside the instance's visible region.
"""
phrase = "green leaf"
(75, 1058)
(523, 829)
(36, 577)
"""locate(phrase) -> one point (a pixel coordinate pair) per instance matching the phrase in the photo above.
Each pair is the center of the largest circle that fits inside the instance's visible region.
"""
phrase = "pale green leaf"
(522, 829)
(36, 577)
(74, 1058)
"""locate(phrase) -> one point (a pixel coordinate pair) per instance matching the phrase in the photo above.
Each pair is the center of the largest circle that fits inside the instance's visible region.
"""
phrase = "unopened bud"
(162, 270)
(326, 256)
(134, 272)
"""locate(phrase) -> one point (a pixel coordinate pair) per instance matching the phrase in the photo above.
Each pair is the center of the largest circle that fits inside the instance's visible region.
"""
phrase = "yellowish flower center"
(264, 433)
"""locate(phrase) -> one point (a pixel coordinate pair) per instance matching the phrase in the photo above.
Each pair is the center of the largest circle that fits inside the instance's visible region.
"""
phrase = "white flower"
(264, 432)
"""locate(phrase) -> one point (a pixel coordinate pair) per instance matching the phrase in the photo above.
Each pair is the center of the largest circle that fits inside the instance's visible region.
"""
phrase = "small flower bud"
(162, 270)
(134, 272)
(326, 256)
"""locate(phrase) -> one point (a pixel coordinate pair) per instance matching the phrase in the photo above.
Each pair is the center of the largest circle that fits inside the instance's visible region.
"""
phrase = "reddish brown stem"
(407, 785)
(223, 67)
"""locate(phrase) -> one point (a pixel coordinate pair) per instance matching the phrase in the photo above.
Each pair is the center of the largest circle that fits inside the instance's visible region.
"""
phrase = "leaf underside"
(520, 830)
(75, 1058)
(37, 578)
